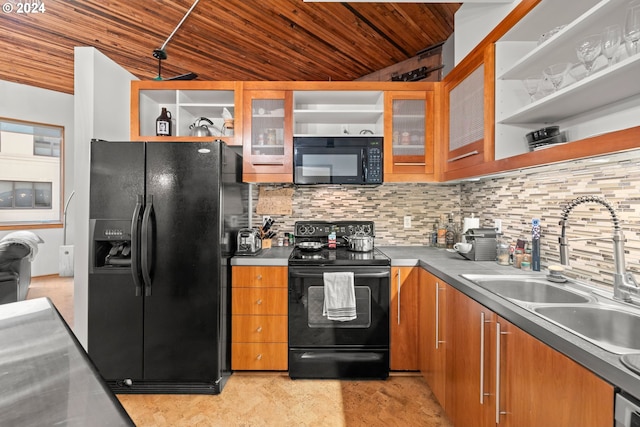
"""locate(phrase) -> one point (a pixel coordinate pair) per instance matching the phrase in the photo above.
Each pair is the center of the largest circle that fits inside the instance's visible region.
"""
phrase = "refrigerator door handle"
(144, 246)
(135, 245)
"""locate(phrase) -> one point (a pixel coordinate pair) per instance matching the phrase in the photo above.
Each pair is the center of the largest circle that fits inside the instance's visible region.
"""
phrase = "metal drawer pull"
(482, 348)
(498, 334)
(276, 163)
(259, 329)
(462, 156)
(259, 302)
(437, 315)
(399, 289)
(259, 277)
(259, 357)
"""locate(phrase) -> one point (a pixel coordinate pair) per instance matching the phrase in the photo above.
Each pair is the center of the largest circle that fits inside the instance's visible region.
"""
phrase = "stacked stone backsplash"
(515, 198)
(386, 204)
(544, 192)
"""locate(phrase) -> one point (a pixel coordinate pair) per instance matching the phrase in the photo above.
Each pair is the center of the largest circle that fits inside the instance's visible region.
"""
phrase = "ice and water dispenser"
(111, 245)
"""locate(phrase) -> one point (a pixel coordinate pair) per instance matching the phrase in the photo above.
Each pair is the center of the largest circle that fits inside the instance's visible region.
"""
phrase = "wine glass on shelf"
(588, 50)
(611, 37)
(556, 72)
(531, 84)
(631, 32)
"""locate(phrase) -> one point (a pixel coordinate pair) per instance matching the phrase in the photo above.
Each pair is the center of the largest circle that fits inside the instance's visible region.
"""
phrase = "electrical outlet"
(497, 223)
(407, 221)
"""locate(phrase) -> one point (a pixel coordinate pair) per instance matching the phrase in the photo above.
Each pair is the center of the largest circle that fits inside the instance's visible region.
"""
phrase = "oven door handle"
(356, 275)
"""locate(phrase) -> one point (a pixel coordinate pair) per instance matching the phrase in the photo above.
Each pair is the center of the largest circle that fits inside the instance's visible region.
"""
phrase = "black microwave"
(337, 160)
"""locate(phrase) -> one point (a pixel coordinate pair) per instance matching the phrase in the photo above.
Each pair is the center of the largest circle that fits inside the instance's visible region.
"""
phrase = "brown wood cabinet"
(187, 102)
(432, 329)
(497, 374)
(470, 362)
(404, 318)
(541, 387)
(409, 125)
(596, 124)
(468, 112)
(259, 337)
(268, 136)
(265, 117)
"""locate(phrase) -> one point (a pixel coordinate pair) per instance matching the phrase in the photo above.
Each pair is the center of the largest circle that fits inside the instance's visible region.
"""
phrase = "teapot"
(199, 129)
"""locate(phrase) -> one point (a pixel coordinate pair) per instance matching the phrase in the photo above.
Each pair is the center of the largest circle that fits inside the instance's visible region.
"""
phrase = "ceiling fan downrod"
(161, 55)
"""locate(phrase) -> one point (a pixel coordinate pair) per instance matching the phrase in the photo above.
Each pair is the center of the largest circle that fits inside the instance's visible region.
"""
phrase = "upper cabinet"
(277, 112)
(409, 136)
(268, 143)
(582, 104)
(338, 112)
(597, 114)
(190, 104)
(467, 125)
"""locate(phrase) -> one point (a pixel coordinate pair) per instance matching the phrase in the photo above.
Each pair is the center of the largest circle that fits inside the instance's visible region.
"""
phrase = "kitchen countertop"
(450, 266)
(274, 256)
(47, 377)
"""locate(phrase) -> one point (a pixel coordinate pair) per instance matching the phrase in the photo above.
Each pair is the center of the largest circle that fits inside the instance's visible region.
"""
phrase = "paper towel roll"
(470, 223)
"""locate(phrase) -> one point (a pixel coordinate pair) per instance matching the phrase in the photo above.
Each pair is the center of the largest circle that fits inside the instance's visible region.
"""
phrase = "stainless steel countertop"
(46, 377)
(450, 266)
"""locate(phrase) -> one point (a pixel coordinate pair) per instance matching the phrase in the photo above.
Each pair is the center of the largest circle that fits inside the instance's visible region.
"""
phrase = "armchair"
(17, 251)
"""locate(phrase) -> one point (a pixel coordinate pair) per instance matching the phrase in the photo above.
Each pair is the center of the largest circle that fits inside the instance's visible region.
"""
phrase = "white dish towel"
(339, 296)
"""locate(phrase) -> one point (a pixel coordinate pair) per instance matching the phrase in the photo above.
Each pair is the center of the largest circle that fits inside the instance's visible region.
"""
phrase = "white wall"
(472, 23)
(102, 106)
(34, 104)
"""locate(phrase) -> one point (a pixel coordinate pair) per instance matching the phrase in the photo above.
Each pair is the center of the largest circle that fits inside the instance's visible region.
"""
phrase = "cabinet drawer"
(259, 301)
(259, 356)
(255, 329)
(259, 276)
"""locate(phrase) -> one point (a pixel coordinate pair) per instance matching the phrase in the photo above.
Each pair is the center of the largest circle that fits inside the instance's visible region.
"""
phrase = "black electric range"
(322, 347)
(319, 231)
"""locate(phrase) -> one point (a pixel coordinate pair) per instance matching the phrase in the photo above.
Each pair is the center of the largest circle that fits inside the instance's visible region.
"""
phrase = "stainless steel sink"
(606, 326)
(529, 289)
(579, 309)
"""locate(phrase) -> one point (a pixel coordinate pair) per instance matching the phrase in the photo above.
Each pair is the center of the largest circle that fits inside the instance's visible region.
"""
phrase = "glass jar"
(517, 259)
(502, 252)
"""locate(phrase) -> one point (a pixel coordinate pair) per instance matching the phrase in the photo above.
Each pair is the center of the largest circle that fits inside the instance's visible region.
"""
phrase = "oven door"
(322, 348)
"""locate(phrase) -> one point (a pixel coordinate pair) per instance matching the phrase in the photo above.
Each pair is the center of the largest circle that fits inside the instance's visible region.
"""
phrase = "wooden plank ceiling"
(221, 39)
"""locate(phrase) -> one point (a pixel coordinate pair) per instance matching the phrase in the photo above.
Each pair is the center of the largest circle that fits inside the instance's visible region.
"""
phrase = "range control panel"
(340, 228)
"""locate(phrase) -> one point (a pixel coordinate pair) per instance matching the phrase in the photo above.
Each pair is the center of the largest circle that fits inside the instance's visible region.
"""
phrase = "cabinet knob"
(259, 277)
(259, 357)
(259, 329)
(259, 302)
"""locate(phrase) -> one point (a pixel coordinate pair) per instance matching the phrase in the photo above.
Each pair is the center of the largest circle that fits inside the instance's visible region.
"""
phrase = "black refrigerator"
(164, 218)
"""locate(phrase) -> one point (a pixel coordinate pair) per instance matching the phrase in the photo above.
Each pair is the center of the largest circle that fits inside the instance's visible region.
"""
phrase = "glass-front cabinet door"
(468, 115)
(267, 145)
(408, 139)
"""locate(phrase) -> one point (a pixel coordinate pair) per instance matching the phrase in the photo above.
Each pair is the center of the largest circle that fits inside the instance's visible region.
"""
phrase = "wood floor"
(273, 399)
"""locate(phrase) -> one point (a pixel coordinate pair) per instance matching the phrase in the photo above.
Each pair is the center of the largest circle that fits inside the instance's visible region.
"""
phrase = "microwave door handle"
(365, 171)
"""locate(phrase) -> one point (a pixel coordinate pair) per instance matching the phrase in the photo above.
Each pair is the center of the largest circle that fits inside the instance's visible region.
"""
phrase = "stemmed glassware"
(588, 50)
(611, 37)
(556, 72)
(531, 84)
(632, 28)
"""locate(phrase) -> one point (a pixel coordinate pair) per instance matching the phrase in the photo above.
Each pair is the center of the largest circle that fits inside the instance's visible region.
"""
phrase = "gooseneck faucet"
(623, 281)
